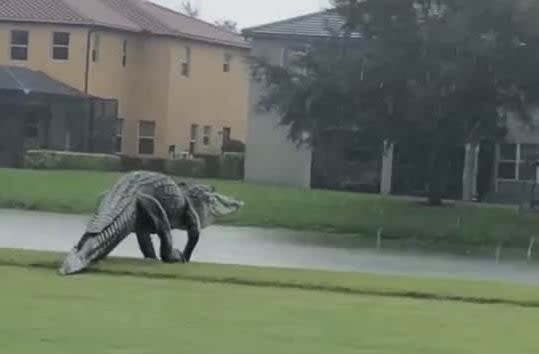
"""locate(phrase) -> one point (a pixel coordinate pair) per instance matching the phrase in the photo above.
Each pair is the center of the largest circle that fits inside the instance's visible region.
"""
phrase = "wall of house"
(40, 36)
(208, 96)
(270, 156)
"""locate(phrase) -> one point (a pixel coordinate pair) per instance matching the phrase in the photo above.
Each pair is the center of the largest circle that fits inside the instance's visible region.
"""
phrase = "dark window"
(526, 172)
(146, 139)
(207, 135)
(146, 146)
(124, 53)
(194, 131)
(19, 45)
(95, 50)
(226, 64)
(508, 152)
(119, 133)
(226, 135)
(186, 62)
(60, 46)
(507, 170)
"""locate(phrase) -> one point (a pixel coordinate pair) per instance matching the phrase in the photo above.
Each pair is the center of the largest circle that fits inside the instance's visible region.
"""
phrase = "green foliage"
(439, 72)
(185, 167)
(65, 160)
(232, 165)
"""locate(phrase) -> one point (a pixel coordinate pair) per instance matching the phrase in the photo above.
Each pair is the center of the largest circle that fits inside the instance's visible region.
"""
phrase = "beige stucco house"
(181, 83)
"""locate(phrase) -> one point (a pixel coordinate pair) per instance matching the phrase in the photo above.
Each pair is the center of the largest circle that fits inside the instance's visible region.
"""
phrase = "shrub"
(231, 165)
(186, 167)
(68, 160)
(131, 163)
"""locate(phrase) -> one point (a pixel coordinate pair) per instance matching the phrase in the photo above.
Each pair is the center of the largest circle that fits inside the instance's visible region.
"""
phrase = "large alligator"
(146, 203)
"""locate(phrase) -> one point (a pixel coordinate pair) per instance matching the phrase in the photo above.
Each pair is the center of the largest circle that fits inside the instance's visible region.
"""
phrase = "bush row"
(228, 166)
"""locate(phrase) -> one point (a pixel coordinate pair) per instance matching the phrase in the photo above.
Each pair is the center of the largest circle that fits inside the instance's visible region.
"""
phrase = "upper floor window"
(226, 63)
(124, 53)
(19, 45)
(186, 62)
(95, 48)
(60, 46)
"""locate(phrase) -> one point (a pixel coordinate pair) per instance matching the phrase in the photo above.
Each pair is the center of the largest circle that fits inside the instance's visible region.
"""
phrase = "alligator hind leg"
(145, 244)
(152, 208)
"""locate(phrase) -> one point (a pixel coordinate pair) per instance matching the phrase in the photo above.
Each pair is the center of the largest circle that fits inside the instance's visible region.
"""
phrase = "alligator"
(146, 203)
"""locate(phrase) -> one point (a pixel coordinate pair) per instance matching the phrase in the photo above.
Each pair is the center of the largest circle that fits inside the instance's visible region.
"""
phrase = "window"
(124, 53)
(516, 161)
(194, 132)
(186, 62)
(146, 137)
(60, 46)
(226, 64)
(119, 132)
(19, 45)
(95, 48)
(207, 135)
(226, 135)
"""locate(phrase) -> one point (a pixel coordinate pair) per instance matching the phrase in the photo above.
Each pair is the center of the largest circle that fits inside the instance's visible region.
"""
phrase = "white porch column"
(387, 168)
(470, 171)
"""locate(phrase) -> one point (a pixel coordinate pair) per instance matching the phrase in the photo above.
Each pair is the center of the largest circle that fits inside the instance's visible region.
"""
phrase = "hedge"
(229, 166)
(50, 159)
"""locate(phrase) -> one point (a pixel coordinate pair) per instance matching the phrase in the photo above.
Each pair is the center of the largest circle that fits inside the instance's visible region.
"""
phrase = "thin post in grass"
(379, 238)
(530, 249)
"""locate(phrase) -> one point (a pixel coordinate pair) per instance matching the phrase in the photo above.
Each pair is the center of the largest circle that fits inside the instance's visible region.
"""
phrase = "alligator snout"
(72, 264)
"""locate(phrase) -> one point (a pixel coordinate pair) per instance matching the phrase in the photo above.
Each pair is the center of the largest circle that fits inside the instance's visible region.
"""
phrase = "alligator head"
(78, 258)
(209, 204)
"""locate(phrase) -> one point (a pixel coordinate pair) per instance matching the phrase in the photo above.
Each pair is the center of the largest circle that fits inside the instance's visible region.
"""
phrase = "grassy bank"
(76, 192)
(136, 313)
(480, 292)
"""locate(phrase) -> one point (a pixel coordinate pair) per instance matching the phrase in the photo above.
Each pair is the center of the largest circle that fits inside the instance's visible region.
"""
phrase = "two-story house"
(181, 83)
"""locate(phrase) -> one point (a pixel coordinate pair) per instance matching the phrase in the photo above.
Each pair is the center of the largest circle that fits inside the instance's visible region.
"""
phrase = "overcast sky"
(249, 13)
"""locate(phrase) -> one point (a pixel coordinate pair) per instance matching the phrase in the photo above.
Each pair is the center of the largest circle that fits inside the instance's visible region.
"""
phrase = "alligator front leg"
(152, 208)
(192, 225)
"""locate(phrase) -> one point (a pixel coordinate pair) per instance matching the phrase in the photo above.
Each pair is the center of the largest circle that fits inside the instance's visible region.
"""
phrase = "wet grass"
(100, 313)
(314, 210)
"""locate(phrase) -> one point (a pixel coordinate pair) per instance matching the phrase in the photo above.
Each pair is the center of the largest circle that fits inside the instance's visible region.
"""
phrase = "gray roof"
(23, 80)
(310, 25)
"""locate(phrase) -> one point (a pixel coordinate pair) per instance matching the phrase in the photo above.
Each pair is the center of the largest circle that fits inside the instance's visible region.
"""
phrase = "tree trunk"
(437, 176)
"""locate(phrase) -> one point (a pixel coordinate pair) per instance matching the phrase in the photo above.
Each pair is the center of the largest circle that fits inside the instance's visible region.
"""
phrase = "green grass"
(106, 313)
(481, 292)
(459, 224)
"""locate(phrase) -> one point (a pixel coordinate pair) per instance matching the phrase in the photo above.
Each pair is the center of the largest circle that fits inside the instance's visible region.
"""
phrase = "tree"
(189, 9)
(228, 25)
(440, 72)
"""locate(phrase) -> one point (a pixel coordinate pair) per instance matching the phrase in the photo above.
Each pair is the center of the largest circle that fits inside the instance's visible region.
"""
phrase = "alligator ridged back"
(121, 197)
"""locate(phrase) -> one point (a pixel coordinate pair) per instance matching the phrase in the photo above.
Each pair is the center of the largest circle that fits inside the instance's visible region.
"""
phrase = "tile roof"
(24, 80)
(310, 25)
(130, 15)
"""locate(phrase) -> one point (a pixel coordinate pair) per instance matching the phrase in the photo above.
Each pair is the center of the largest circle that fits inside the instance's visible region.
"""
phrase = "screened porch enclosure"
(54, 123)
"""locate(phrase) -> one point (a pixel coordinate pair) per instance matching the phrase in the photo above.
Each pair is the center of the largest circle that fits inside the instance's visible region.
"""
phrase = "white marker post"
(530, 249)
